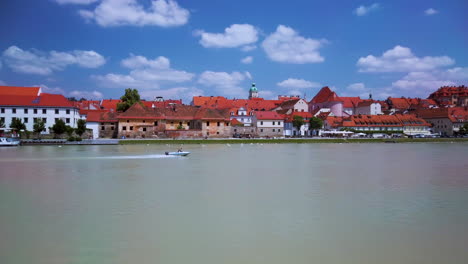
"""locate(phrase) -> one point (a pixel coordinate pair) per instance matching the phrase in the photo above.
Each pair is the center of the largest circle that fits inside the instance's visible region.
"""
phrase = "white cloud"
(236, 35)
(184, 93)
(287, 46)
(298, 84)
(42, 63)
(86, 94)
(364, 10)
(357, 87)
(52, 90)
(227, 84)
(247, 60)
(77, 2)
(163, 13)
(430, 11)
(401, 59)
(457, 73)
(248, 48)
(145, 74)
(267, 94)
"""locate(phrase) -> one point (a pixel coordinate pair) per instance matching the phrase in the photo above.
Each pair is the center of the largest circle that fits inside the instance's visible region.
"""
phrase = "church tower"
(253, 92)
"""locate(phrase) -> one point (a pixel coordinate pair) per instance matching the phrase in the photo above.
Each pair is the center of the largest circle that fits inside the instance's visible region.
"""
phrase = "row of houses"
(209, 116)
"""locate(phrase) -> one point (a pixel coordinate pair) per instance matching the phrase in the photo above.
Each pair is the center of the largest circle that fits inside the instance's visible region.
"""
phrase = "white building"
(269, 124)
(29, 104)
(368, 107)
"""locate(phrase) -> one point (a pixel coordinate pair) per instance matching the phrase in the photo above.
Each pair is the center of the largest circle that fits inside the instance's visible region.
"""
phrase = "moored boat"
(9, 142)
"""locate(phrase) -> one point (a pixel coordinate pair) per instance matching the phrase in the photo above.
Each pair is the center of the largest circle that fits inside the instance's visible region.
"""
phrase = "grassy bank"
(289, 141)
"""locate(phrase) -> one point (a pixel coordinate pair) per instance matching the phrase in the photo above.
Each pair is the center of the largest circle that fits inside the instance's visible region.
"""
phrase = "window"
(13, 110)
(131, 128)
(279, 123)
(261, 122)
(207, 123)
(155, 123)
(279, 130)
(219, 123)
(3, 110)
(44, 120)
(273, 122)
(112, 127)
(25, 120)
(2, 119)
(102, 128)
(227, 123)
(35, 111)
(144, 129)
(44, 111)
(124, 128)
(25, 110)
(261, 130)
(180, 123)
(56, 111)
(128, 121)
(273, 130)
(68, 111)
(235, 130)
(217, 133)
(68, 120)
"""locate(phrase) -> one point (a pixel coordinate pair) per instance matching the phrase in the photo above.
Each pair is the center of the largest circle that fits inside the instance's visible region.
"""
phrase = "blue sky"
(178, 49)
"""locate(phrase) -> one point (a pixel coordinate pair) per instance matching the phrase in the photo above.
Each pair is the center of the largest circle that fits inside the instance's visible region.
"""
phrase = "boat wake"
(153, 156)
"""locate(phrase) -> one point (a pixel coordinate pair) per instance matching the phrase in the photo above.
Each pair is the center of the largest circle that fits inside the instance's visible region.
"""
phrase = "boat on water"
(178, 153)
(9, 142)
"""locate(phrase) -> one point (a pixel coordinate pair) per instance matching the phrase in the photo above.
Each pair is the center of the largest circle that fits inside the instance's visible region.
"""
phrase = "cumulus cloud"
(401, 59)
(248, 48)
(77, 2)
(228, 84)
(163, 13)
(247, 60)
(52, 90)
(298, 84)
(358, 87)
(184, 93)
(364, 10)
(426, 82)
(287, 46)
(43, 63)
(430, 11)
(86, 94)
(144, 73)
(236, 35)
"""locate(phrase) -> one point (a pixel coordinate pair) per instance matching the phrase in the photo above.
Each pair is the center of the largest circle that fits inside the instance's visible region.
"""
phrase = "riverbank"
(288, 140)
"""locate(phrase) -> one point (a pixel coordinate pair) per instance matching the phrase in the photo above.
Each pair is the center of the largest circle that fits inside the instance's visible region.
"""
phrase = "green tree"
(297, 122)
(130, 97)
(59, 127)
(2, 124)
(69, 130)
(464, 129)
(39, 126)
(315, 123)
(80, 127)
(17, 124)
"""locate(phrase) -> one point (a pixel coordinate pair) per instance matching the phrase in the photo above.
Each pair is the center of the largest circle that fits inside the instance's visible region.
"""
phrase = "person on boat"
(180, 150)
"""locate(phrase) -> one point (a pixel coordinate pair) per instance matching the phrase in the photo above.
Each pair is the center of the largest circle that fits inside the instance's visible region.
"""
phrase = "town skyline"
(179, 49)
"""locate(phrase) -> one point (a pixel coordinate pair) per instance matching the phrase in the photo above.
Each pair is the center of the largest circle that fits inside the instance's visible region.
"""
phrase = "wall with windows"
(30, 114)
(270, 128)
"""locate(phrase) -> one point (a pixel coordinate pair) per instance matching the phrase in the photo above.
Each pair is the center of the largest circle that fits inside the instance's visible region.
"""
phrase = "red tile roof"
(268, 115)
(100, 116)
(324, 95)
(14, 90)
(44, 100)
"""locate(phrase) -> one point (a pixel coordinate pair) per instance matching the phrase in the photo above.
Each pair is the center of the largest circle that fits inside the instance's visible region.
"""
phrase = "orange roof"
(376, 121)
(100, 116)
(44, 100)
(324, 95)
(110, 103)
(268, 115)
(350, 102)
(14, 90)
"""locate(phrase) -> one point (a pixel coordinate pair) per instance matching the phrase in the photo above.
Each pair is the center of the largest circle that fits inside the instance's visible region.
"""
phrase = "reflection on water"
(304, 203)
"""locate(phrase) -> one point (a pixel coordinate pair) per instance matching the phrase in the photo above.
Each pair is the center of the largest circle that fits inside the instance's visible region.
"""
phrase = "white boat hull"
(178, 153)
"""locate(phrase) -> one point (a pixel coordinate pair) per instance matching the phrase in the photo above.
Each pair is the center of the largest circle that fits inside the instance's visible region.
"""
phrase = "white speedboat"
(178, 153)
(6, 142)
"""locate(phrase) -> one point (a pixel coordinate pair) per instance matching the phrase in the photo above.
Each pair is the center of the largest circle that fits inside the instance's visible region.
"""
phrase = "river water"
(291, 203)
